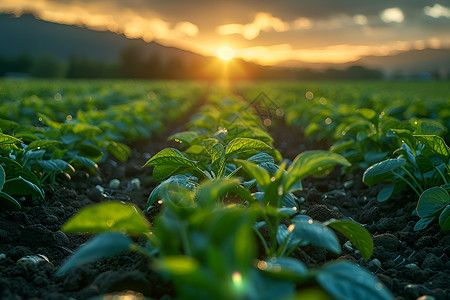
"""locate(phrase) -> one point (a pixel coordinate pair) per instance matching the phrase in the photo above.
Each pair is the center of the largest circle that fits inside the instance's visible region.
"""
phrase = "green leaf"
(177, 264)
(444, 218)
(356, 234)
(386, 192)
(119, 151)
(170, 156)
(380, 171)
(261, 158)
(2, 177)
(8, 140)
(240, 145)
(108, 216)
(212, 191)
(161, 172)
(56, 165)
(436, 144)
(317, 234)
(406, 136)
(284, 268)
(43, 144)
(6, 125)
(155, 195)
(22, 186)
(310, 162)
(218, 159)
(345, 280)
(48, 121)
(187, 137)
(256, 172)
(103, 245)
(86, 162)
(8, 202)
(423, 223)
(431, 201)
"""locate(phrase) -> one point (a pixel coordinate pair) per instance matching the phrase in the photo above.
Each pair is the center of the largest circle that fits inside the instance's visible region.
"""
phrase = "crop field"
(114, 189)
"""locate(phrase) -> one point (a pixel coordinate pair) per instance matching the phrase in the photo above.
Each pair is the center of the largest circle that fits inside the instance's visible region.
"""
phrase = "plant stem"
(407, 182)
(413, 178)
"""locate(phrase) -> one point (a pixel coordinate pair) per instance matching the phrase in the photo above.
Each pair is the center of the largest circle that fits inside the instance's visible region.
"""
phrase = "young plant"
(422, 162)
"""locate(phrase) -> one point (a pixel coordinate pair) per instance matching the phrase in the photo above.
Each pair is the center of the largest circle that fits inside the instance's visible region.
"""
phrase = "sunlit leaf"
(436, 144)
(356, 234)
(380, 171)
(108, 216)
(240, 145)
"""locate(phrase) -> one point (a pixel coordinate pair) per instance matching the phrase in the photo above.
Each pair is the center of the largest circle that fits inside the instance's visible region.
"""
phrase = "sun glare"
(225, 53)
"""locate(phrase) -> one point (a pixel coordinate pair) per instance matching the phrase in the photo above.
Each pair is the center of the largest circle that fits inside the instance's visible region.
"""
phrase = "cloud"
(262, 22)
(392, 15)
(110, 16)
(437, 11)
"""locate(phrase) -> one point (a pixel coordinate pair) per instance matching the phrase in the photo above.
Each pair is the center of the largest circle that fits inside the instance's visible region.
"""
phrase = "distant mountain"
(414, 62)
(26, 34)
(409, 62)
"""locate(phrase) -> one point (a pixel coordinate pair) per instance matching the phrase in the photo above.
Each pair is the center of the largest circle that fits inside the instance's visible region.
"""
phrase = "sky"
(267, 32)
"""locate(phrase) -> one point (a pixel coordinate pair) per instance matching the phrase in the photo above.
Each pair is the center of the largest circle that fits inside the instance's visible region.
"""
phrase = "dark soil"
(409, 263)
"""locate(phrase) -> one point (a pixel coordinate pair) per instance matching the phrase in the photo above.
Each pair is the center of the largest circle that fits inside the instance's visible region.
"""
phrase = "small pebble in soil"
(100, 188)
(348, 184)
(375, 264)
(146, 155)
(412, 266)
(135, 184)
(95, 195)
(114, 184)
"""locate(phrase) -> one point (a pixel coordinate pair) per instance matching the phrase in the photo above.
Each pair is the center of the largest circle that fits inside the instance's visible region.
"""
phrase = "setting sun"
(225, 53)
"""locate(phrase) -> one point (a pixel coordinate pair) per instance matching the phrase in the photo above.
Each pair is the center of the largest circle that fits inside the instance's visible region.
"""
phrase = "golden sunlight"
(225, 53)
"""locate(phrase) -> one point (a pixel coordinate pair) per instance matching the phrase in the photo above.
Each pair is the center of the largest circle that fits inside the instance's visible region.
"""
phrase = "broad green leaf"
(155, 195)
(423, 223)
(310, 162)
(8, 140)
(56, 165)
(161, 172)
(256, 172)
(48, 121)
(170, 156)
(380, 171)
(184, 137)
(436, 144)
(209, 143)
(345, 280)
(431, 201)
(284, 268)
(22, 186)
(10, 163)
(80, 128)
(218, 159)
(406, 136)
(342, 145)
(444, 218)
(119, 151)
(86, 162)
(284, 236)
(108, 216)
(103, 245)
(95, 153)
(356, 234)
(42, 144)
(386, 192)
(367, 113)
(9, 203)
(2, 177)
(177, 264)
(316, 234)
(240, 145)
(212, 191)
(8, 125)
(261, 158)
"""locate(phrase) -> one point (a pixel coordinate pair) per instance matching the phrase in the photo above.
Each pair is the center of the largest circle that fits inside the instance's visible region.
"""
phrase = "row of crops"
(48, 128)
(394, 131)
(230, 219)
